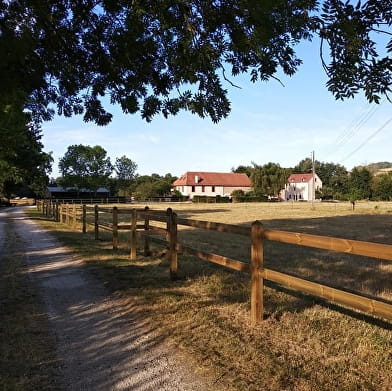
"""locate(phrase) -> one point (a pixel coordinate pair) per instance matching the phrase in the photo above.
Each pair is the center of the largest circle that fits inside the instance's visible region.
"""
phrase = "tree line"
(338, 183)
(85, 167)
(24, 171)
(89, 167)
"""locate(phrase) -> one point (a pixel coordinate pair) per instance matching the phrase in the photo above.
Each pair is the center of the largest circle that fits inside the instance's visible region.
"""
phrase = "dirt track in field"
(102, 342)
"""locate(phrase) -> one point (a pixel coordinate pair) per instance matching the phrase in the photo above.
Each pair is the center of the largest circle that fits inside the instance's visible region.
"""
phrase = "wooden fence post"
(57, 216)
(133, 235)
(147, 250)
(172, 239)
(74, 216)
(115, 227)
(84, 217)
(96, 222)
(257, 282)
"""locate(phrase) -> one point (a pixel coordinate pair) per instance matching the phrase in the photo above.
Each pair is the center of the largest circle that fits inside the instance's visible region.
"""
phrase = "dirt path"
(102, 343)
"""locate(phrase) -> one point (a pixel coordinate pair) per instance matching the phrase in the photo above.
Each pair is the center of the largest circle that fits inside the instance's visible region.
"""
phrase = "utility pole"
(313, 178)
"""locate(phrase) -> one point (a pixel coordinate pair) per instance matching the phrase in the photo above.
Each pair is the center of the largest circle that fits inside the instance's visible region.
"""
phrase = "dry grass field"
(303, 343)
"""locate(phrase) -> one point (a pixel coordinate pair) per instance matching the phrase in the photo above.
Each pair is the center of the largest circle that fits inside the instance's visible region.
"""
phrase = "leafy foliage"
(360, 180)
(151, 186)
(356, 62)
(382, 187)
(87, 167)
(160, 57)
(22, 161)
(125, 170)
(268, 179)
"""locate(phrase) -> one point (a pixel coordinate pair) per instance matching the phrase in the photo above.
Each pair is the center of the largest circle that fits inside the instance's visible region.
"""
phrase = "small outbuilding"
(58, 192)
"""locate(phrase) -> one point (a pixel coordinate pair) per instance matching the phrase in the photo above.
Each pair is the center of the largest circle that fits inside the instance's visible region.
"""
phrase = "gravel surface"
(102, 343)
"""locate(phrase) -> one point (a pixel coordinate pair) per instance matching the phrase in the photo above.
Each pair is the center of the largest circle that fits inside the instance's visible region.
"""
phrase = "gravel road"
(102, 343)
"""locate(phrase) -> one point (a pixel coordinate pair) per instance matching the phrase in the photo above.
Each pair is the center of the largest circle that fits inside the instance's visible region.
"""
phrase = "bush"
(210, 199)
(240, 196)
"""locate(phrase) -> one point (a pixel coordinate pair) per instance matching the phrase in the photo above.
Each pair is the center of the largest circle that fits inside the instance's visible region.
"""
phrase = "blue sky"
(268, 123)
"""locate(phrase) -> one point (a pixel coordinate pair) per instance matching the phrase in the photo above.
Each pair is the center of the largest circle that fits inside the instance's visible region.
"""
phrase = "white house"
(299, 187)
(211, 183)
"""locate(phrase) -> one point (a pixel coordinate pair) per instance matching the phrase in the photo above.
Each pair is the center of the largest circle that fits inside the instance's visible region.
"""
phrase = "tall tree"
(23, 163)
(125, 170)
(165, 56)
(83, 166)
(268, 179)
(382, 187)
(360, 183)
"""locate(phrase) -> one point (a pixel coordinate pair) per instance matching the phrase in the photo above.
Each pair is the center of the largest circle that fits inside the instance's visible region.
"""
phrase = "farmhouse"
(299, 187)
(211, 183)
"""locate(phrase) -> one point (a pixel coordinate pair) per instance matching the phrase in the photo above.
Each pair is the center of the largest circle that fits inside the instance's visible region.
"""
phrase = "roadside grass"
(303, 343)
(27, 349)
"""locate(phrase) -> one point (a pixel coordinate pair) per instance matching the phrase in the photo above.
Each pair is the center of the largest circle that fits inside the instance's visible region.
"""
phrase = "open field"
(304, 343)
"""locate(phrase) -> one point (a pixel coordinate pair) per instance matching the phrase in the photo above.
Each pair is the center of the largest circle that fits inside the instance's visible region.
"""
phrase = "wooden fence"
(72, 214)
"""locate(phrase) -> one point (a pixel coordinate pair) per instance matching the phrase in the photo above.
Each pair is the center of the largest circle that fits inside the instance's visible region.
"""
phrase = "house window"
(202, 189)
(213, 189)
(193, 189)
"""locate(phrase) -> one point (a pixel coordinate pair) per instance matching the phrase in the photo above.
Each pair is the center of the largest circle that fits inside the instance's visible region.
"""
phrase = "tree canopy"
(125, 169)
(84, 166)
(160, 57)
(22, 161)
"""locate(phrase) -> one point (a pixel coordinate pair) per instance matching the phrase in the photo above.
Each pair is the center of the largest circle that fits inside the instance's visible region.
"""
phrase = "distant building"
(299, 187)
(211, 183)
(59, 192)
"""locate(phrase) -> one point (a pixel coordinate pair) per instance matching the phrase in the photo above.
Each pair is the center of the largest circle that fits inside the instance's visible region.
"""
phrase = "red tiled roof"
(297, 178)
(213, 179)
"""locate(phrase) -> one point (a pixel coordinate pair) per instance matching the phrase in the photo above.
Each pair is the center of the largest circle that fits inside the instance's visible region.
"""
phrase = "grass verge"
(304, 344)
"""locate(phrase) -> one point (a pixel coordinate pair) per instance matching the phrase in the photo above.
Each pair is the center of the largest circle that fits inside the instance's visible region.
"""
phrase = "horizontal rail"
(107, 227)
(124, 226)
(220, 227)
(107, 210)
(374, 250)
(218, 259)
(361, 303)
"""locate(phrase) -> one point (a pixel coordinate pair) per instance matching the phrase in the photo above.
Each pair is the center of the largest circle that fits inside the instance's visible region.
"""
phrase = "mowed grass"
(303, 343)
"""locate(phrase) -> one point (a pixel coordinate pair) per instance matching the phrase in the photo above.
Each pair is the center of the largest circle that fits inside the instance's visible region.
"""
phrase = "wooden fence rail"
(70, 214)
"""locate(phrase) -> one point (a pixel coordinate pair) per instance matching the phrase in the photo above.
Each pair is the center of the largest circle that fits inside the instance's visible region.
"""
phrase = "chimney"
(196, 179)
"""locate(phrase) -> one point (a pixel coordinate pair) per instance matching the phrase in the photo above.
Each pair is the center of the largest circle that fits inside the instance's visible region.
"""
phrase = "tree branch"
(229, 81)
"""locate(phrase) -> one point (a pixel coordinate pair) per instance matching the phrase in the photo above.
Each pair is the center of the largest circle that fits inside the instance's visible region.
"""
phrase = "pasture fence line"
(72, 214)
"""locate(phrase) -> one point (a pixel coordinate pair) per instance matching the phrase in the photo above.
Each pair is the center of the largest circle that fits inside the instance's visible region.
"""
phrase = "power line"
(356, 126)
(367, 140)
(352, 129)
